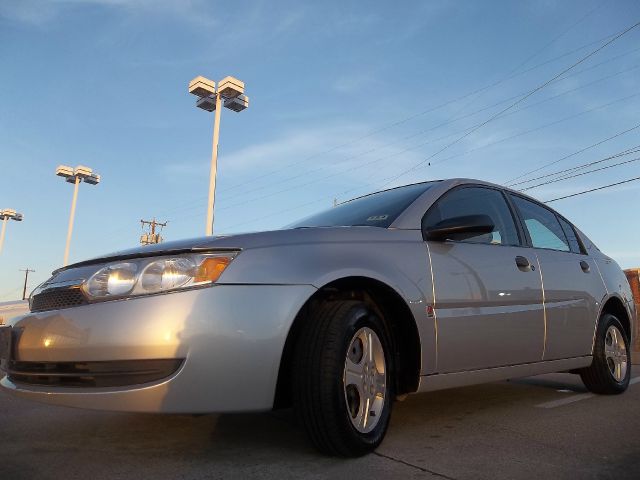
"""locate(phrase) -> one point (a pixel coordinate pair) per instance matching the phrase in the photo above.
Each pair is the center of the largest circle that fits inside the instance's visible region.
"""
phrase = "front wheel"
(610, 370)
(342, 378)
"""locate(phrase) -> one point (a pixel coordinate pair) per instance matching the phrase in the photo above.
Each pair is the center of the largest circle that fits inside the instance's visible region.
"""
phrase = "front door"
(488, 295)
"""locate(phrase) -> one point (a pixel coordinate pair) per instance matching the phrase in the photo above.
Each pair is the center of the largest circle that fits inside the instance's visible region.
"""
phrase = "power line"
(333, 195)
(593, 189)
(448, 122)
(581, 166)
(582, 173)
(436, 107)
(504, 110)
(306, 173)
(358, 188)
(531, 130)
(386, 157)
(394, 177)
(560, 35)
(511, 184)
(543, 48)
(532, 92)
(611, 38)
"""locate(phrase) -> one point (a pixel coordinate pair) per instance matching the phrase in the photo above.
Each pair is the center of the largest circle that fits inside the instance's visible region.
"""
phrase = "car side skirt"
(429, 383)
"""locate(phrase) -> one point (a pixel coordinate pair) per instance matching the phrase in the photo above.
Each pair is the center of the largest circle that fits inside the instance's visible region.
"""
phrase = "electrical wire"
(532, 92)
(306, 174)
(538, 52)
(387, 157)
(582, 173)
(593, 189)
(610, 38)
(436, 107)
(196, 201)
(510, 183)
(526, 132)
(585, 165)
(372, 184)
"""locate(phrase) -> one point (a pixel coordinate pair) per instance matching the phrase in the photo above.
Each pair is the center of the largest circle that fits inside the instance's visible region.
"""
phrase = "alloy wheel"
(365, 380)
(615, 351)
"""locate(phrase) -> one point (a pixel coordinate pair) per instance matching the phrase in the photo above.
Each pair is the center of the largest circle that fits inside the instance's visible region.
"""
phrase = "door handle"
(584, 266)
(523, 262)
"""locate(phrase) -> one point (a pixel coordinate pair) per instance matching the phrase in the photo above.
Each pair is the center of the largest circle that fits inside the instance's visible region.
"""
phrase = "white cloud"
(300, 159)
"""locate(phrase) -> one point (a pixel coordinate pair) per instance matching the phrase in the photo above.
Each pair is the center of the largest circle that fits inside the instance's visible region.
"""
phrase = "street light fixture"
(230, 94)
(6, 215)
(75, 176)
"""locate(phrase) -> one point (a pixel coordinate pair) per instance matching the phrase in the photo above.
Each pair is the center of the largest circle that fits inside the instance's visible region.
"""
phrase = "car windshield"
(375, 210)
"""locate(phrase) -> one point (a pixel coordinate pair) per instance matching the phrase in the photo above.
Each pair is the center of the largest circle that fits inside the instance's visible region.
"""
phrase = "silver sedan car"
(413, 289)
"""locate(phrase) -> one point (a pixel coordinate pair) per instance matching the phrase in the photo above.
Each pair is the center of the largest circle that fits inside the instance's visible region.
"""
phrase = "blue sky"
(342, 102)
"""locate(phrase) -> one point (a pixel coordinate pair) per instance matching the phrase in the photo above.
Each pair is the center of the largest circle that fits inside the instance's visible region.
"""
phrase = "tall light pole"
(6, 215)
(75, 176)
(230, 94)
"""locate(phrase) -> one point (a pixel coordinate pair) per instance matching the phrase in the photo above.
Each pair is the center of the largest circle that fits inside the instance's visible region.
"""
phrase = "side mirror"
(466, 226)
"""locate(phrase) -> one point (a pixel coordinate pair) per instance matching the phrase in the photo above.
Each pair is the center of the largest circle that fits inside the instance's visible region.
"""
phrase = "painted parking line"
(575, 398)
(565, 401)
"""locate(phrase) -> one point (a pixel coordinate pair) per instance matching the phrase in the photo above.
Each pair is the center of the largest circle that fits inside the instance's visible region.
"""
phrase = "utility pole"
(151, 236)
(26, 276)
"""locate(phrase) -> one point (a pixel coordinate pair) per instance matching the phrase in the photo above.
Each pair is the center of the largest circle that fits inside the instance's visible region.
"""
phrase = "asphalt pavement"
(538, 427)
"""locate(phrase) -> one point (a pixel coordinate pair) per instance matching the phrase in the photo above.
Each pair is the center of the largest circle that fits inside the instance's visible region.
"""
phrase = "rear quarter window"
(542, 225)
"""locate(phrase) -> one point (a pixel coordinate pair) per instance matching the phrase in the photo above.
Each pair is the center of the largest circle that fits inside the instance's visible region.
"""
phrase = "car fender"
(401, 263)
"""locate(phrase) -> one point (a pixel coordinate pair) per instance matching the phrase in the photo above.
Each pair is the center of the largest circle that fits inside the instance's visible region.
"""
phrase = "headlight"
(113, 280)
(167, 274)
(154, 275)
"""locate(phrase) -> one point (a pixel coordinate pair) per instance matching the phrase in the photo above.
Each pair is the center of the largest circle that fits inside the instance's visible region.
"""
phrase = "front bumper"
(230, 338)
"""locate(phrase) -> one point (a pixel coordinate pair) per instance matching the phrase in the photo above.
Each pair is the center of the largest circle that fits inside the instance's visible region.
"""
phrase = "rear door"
(571, 282)
(488, 310)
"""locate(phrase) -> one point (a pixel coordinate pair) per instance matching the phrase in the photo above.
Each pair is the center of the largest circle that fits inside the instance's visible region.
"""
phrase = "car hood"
(250, 240)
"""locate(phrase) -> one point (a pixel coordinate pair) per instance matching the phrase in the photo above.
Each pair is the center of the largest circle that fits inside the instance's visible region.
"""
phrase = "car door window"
(476, 201)
(572, 238)
(542, 224)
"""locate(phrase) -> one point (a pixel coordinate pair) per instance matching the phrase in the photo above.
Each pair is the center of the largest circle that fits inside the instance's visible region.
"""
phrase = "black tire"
(598, 377)
(318, 385)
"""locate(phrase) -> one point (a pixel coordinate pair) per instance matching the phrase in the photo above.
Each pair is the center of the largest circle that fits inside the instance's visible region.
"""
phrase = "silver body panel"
(572, 301)
(231, 338)
(485, 307)
(430, 383)
(490, 320)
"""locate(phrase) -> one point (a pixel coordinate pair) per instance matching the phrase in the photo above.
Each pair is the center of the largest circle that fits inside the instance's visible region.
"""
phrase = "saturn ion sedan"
(413, 289)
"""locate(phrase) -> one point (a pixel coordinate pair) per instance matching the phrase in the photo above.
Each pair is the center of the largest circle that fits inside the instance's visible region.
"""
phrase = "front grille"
(57, 298)
(117, 373)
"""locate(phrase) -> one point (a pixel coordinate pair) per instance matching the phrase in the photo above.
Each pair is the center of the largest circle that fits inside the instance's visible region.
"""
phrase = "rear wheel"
(610, 370)
(342, 378)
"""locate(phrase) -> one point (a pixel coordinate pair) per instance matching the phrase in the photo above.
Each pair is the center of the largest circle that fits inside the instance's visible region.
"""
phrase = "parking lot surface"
(538, 427)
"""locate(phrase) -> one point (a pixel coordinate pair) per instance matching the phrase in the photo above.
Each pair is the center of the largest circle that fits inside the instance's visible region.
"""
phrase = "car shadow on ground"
(40, 438)
(554, 384)
(264, 434)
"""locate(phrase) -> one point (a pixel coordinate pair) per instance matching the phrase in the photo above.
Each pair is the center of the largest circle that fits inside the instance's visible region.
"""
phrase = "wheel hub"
(615, 351)
(364, 379)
